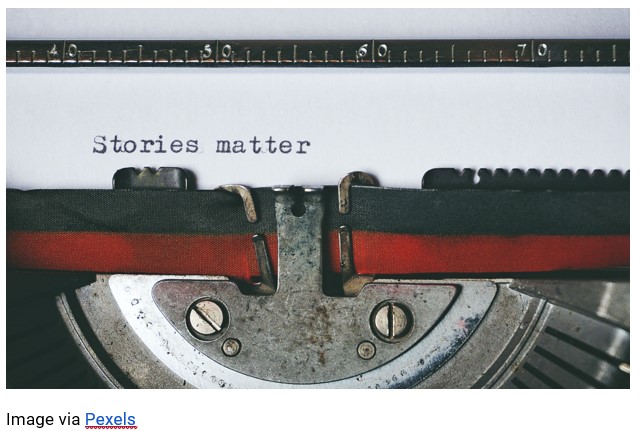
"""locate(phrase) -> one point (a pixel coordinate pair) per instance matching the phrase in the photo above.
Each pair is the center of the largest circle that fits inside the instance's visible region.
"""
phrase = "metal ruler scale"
(322, 53)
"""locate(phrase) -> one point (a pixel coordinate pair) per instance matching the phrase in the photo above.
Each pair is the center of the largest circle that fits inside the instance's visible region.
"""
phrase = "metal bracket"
(266, 285)
(352, 283)
(353, 178)
(245, 194)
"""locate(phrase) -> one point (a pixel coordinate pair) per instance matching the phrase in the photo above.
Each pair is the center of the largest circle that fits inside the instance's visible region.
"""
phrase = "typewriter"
(489, 278)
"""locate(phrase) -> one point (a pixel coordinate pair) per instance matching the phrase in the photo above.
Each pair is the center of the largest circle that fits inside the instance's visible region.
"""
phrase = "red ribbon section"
(374, 253)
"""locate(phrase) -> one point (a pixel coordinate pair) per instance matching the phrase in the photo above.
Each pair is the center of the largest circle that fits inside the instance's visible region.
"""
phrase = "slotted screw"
(206, 318)
(391, 321)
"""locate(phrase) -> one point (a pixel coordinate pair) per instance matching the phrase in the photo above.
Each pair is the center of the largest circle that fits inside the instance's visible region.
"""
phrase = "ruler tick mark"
(341, 55)
(549, 55)
(278, 57)
(484, 56)
(420, 56)
(325, 56)
(452, 54)
(436, 56)
(263, 57)
(516, 55)
(531, 51)
(598, 56)
(139, 53)
(468, 56)
(405, 56)
(565, 56)
(248, 56)
(614, 53)
(501, 56)
(294, 53)
(581, 56)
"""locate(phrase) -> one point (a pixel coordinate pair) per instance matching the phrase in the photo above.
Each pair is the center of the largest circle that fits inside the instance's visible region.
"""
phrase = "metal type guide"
(477, 279)
(323, 53)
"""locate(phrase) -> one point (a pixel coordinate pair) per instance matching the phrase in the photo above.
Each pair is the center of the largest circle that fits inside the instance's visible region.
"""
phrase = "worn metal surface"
(296, 337)
(206, 319)
(353, 178)
(151, 179)
(366, 350)
(571, 350)
(137, 346)
(248, 201)
(392, 321)
(186, 331)
(110, 340)
(608, 300)
(300, 335)
(353, 283)
(323, 53)
(582, 339)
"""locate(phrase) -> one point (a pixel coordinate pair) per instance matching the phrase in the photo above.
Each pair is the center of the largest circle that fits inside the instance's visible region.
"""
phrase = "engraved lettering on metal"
(542, 50)
(362, 51)
(226, 51)
(382, 50)
(72, 51)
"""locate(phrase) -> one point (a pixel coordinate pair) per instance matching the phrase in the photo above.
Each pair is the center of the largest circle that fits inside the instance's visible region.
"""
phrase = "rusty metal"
(245, 194)
(353, 283)
(353, 178)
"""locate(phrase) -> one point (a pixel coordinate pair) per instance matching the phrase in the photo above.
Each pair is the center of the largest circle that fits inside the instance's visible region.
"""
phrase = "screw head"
(207, 319)
(392, 321)
(366, 350)
(231, 347)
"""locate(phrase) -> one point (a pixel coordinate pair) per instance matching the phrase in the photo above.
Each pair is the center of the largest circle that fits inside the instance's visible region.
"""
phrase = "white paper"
(393, 123)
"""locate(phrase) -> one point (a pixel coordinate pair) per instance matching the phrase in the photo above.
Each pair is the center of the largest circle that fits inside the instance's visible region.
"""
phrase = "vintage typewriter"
(477, 279)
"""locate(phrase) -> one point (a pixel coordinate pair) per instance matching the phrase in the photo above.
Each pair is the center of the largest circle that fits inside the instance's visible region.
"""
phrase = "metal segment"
(326, 53)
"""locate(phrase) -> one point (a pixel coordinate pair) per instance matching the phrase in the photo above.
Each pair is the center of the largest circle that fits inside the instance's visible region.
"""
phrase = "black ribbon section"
(138, 211)
(411, 211)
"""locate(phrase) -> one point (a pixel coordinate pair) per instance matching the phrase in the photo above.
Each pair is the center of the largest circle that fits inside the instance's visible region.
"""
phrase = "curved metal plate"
(134, 296)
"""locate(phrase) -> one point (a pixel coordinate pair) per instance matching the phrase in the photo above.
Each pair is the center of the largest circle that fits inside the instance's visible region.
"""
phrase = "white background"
(447, 410)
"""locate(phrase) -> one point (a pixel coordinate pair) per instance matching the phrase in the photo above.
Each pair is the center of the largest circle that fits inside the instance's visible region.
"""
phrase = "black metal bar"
(321, 53)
